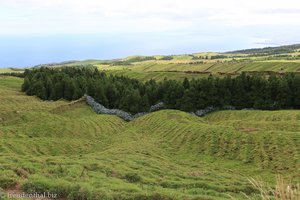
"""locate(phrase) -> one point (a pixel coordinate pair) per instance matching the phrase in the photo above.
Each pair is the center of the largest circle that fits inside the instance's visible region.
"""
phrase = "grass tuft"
(283, 190)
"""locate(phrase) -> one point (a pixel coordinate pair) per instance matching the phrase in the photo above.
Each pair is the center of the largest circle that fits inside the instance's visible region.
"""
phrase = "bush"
(166, 58)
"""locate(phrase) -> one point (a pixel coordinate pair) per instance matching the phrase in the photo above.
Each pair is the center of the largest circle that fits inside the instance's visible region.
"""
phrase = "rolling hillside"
(10, 70)
(66, 148)
(265, 61)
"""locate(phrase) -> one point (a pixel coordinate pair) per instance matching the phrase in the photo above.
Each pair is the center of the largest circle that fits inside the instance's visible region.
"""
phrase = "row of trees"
(243, 91)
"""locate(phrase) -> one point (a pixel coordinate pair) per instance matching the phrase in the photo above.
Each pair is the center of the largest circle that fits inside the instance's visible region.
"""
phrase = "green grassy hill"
(159, 70)
(264, 61)
(65, 148)
(10, 70)
(272, 50)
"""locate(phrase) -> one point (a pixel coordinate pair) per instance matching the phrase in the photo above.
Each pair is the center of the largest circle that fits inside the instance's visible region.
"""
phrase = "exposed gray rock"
(100, 109)
(205, 111)
(202, 112)
(157, 107)
(228, 107)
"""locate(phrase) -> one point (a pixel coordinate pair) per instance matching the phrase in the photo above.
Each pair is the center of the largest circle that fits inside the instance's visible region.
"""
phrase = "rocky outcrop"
(100, 109)
(209, 109)
(157, 107)
(202, 112)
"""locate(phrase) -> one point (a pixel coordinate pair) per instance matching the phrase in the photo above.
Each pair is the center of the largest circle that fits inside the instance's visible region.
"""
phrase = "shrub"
(166, 58)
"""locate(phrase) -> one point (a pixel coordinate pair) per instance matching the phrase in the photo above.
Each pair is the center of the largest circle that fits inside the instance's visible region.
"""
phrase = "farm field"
(276, 60)
(10, 70)
(65, 148)
(158, 71)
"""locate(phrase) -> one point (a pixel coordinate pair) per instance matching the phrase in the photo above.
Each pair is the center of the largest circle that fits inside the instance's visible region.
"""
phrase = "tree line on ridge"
(120, 92)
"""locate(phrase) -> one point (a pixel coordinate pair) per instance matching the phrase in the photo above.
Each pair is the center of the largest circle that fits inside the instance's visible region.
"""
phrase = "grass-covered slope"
(271, 50)
(264, 61)
(10, 70)
(172, 70)
(269, 140)
(66, 148)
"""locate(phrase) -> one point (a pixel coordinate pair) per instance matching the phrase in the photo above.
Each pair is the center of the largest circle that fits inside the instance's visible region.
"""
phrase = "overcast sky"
(41, 31)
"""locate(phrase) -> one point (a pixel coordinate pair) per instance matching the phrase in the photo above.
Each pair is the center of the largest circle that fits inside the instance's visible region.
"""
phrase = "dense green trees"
(243, 91)
(26, 84)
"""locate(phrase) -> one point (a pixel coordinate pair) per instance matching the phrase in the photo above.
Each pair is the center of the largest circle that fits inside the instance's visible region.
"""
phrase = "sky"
(42, 31)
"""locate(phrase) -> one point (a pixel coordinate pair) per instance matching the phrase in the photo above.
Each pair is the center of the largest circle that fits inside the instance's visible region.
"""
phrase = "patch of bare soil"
(196, 174)
(249, 129)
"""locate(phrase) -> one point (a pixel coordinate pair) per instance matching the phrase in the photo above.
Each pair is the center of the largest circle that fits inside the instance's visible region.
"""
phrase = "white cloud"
(39, 31)
(97, 16)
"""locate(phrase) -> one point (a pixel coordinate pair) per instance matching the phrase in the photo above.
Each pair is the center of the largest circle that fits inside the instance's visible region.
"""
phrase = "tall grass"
(283, 190)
